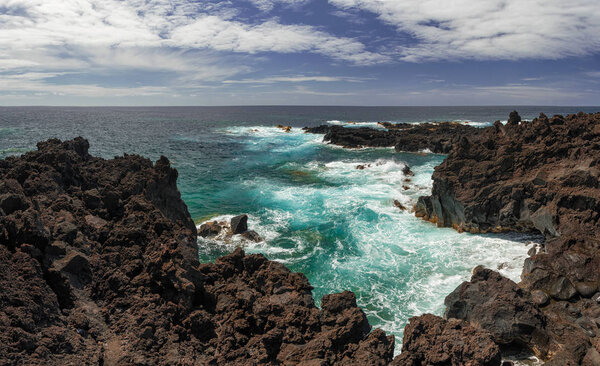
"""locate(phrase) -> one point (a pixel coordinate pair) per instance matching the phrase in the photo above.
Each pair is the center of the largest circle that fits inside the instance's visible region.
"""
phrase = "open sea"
(318, 214)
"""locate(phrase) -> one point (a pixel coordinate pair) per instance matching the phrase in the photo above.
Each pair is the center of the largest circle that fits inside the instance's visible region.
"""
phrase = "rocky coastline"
(100, 266)
(526, 176)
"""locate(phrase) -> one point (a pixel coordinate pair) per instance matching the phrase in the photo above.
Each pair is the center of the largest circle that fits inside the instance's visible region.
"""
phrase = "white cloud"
(193, 40)
(30, 25)
(226, 35)
(489, 29)
(268, 5)
(296, 79)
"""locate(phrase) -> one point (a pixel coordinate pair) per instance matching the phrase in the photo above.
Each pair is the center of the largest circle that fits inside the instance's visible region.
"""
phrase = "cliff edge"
(98, 264)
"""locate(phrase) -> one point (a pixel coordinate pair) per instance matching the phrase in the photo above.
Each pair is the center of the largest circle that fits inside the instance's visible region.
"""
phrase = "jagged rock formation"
(541, 176)
(98, 266)
(431, 340)
(437, 137)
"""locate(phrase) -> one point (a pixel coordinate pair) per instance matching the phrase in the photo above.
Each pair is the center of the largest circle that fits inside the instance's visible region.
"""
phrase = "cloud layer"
(145, 48)
(489, 29)
(190, 39)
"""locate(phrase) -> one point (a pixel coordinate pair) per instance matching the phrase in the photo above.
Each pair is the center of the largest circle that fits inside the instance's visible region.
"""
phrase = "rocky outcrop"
(98, 266)
(496, 304)
(431, 340)
(540, 176)
(521, 177)
(222, 230)
(436, 137)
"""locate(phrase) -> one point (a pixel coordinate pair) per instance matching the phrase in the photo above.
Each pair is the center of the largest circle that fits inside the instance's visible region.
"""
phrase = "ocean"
(319, 215)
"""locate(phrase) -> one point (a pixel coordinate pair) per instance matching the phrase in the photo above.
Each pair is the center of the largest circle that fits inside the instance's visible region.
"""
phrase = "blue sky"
(309, 52)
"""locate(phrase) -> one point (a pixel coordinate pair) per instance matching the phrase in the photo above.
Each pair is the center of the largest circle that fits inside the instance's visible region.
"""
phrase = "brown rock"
(431, 340)
(103, 269)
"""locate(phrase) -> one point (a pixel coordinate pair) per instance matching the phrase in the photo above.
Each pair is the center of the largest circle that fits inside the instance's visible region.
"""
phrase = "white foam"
(356, 124)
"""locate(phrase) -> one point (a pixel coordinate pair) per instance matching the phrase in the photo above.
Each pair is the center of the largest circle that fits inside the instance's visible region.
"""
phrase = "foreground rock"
(436, 137)
(431, 340)
(98, 266)
(498, 305)
(540, 176)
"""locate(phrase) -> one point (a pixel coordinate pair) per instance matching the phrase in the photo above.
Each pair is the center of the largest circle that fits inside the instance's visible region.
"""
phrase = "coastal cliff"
(540, 176)
(99, 267)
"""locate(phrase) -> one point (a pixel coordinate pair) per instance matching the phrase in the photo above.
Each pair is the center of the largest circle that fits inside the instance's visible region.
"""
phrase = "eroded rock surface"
(431, 340)
(540, 176)
(98, 266)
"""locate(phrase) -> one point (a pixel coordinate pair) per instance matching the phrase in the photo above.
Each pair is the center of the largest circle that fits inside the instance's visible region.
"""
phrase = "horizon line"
(296, 105)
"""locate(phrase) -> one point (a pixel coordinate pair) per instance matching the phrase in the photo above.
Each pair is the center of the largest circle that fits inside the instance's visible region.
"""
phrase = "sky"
(300, 52)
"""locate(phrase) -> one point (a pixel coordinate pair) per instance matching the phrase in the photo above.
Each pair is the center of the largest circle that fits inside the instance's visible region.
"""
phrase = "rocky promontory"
(435, 137)
(539, 176)
(99, 267)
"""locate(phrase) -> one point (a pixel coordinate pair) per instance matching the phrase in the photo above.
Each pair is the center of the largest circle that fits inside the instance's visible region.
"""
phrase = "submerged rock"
(252, 235)
(399, 205)
(285, 128)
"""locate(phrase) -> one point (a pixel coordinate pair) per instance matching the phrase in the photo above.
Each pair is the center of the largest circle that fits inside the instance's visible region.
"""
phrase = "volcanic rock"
(239, 224)
(252, 235)
(436, 137)
(499, 306)
(529, 176)
(285, 128)
(99, 266)
(431, 340)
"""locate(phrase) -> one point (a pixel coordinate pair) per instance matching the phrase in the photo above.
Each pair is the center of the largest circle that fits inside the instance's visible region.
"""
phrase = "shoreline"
(69, 216)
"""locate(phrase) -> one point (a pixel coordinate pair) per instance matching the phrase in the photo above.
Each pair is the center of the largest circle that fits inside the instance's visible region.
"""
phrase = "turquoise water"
(338, 225)
(318, 214)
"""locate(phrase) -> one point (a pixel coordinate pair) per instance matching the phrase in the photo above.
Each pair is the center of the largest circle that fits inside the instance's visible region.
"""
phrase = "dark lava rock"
(437, 137)
(539, 176)
(239, 224)
(431, 340)
(322, 129)
(252, 235)
(211, 228)
(498, 305)
(514, 118)
(399, 205)
(539, 297)
(99, 266)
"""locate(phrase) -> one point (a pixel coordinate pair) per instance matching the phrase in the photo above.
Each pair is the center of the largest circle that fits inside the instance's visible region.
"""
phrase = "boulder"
(431, 340)
(239, 224)
(514, 118)
(562, 289)
(252, 235)
(209, 229)
(498, 305)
